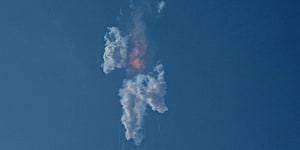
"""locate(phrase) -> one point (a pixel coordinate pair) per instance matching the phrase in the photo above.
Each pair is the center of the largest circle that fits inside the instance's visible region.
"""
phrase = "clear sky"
(232, 72)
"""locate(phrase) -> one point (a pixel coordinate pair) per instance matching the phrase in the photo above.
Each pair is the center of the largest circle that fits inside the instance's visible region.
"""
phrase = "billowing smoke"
(115, 54)
(141, 88)
(136, 94)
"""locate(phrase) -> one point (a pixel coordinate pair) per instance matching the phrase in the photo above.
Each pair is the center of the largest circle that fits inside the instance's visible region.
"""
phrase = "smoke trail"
(115, 54)
(141, 89)
(135, 95)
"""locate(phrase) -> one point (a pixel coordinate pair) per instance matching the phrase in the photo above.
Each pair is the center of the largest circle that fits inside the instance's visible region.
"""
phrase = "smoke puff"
(160, 6)
(115, 52)
(135, 95)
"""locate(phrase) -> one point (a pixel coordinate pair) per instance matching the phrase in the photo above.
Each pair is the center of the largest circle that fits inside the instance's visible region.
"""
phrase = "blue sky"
(232, 72)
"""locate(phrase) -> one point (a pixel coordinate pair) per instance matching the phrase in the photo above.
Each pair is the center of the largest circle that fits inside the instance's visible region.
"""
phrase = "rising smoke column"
(160, 6)
(139, 44)
(141, 88)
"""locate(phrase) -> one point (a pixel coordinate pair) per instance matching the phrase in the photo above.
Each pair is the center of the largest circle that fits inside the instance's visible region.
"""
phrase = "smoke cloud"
(141, 88)
(135, 95)
(115, 51)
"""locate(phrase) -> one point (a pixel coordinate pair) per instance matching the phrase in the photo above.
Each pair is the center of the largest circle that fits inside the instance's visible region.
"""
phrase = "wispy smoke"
(160, 6)
(140, 89)
(135, 95)
(115, 54)
(138, 43)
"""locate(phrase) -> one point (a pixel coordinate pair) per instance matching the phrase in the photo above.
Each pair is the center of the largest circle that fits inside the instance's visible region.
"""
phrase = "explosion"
(136, 59)
(141, 88)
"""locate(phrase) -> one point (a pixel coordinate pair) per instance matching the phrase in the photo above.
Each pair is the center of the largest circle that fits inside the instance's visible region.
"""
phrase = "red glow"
(136, 59)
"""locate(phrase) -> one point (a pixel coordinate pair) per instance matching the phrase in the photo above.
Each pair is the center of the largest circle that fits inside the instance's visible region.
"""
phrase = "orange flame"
(135, 59)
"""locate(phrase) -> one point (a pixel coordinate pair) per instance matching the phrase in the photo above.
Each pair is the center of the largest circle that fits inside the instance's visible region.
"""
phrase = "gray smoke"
(135, 95)
(115, 54)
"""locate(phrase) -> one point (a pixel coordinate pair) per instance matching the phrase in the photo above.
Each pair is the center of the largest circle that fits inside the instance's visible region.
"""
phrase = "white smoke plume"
(115, 54)
(135, 95)
(160, 6)
(141, 89)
